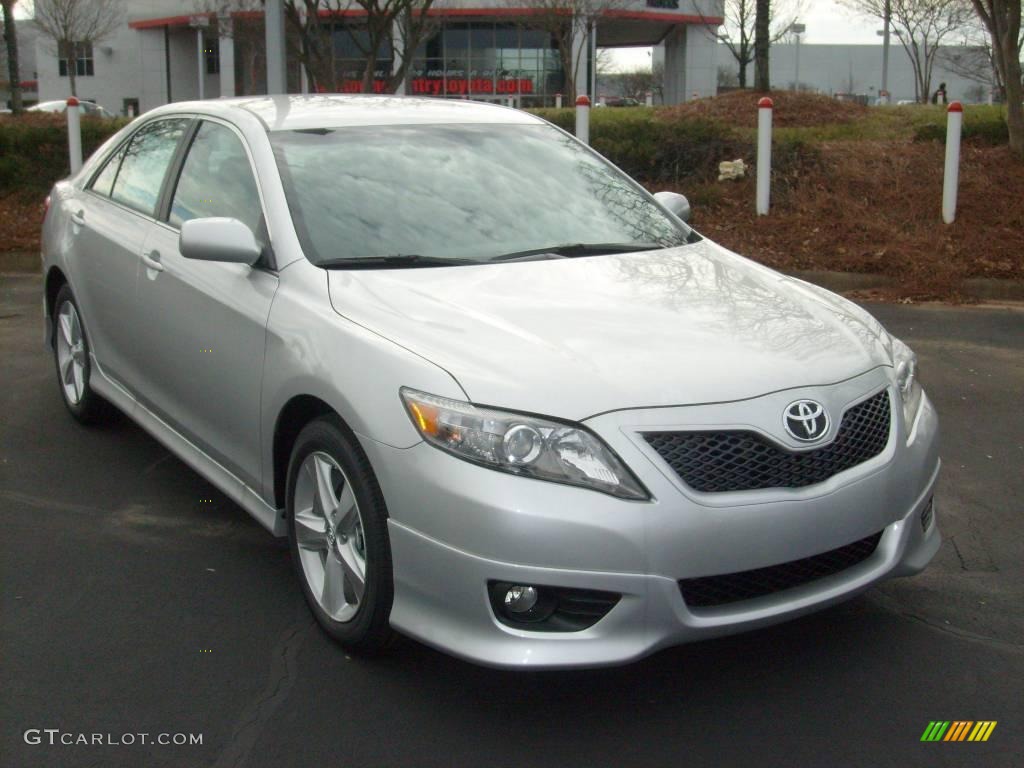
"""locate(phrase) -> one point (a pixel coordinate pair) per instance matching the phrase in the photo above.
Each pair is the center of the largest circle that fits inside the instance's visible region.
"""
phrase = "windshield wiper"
(394, 261)
(578, 249)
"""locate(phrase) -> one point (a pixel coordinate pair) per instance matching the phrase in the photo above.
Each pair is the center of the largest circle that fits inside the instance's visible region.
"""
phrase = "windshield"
(463, 192)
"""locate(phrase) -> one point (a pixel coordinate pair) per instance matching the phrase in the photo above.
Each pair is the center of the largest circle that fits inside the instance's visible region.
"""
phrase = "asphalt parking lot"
(137, 599)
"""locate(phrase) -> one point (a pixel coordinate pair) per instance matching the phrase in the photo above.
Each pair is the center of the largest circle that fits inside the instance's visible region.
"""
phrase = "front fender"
(312, 350)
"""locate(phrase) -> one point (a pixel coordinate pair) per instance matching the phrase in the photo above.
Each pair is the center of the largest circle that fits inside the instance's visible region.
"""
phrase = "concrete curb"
(984, 288)
(19, 262)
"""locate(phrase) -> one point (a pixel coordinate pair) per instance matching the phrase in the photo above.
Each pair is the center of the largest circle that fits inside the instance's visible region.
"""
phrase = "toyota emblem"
(806, 420)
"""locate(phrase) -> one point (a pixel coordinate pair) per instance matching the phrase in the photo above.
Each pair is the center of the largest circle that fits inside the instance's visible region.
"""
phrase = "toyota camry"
(498, 397)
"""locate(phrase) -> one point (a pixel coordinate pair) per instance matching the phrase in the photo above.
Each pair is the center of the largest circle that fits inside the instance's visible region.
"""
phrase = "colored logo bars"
(958, 730)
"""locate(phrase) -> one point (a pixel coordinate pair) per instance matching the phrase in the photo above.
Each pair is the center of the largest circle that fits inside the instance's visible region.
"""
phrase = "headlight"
(905, 362)
(521, 445)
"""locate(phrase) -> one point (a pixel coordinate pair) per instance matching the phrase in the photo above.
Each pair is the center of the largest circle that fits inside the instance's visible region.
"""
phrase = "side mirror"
(675, 203)
(219, 239)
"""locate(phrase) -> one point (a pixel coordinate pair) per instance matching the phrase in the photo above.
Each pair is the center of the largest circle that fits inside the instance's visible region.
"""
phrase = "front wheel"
(337, 529)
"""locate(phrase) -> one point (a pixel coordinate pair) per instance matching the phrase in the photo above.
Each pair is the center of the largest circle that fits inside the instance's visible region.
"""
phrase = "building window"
(211, 51)
(82, 58)
(488, 60)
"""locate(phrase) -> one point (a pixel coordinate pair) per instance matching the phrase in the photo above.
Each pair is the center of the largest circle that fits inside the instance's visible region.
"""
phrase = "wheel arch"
(55, 280)
(299, 411)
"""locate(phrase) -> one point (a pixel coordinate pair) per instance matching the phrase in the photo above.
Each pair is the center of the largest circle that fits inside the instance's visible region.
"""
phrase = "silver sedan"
(499, 397)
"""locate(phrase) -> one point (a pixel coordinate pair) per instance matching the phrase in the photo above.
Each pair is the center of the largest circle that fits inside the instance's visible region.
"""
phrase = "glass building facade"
(468, 59)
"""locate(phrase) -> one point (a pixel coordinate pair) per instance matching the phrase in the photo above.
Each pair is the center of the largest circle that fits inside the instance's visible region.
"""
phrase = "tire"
(328, 469)
(74, 366)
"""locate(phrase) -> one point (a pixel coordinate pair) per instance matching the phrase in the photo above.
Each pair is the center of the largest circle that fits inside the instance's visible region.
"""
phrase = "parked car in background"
(622, 101)
(87, 108)
(498, 396)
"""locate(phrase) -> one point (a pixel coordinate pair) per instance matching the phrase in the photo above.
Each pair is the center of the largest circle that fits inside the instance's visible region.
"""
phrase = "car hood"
(580, 336)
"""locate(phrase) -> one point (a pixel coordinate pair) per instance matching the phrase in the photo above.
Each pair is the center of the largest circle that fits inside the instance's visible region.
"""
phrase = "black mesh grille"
(742, 461)
(745, 585)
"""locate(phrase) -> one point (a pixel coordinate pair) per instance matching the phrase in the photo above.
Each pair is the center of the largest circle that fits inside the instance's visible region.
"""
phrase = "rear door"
(110, 221)
(204, 323)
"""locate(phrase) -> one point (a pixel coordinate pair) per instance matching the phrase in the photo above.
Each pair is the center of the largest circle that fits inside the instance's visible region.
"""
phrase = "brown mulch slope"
(876, 207)
(790, 109)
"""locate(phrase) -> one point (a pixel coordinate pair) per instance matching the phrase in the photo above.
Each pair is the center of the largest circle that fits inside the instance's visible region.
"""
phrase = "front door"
(204, 337)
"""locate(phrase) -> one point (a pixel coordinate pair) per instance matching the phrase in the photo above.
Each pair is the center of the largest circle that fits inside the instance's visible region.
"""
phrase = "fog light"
(520, 599)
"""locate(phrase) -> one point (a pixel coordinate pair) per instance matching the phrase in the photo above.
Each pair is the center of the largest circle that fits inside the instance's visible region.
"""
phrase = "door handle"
(152, 261)
(78, 217)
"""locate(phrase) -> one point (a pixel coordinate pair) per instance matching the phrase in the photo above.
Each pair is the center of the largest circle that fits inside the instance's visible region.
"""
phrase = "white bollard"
(74, 134)
(583, 119)
(558, 101)
(649, 99)
(764, 154)
(951, 176)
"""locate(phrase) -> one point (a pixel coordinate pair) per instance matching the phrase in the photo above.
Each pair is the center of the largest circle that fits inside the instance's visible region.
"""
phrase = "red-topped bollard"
(74, 134)
(764, 155)
(583, 119)
(558, 101)
(951, 174)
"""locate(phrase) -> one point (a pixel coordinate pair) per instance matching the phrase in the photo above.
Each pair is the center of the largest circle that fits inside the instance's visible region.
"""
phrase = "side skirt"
(226, 482)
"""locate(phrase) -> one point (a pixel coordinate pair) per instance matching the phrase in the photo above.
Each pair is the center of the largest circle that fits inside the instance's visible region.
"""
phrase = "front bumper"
(455, 526)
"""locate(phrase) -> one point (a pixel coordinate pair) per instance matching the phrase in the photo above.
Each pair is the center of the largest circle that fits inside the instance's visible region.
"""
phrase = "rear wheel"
(71, 355)
(337, 527)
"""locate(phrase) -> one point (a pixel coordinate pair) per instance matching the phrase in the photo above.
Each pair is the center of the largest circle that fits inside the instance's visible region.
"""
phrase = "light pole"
(884, 32)
(797, 29)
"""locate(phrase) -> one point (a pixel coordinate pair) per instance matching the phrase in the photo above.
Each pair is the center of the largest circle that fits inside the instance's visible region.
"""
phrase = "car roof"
(305, 112)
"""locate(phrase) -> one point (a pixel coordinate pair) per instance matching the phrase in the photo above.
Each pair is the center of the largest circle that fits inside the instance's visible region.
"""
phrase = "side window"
(104, 181)
(216, 180)
(145, 163)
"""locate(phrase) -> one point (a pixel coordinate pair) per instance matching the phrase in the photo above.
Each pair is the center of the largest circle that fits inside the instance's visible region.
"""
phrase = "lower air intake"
(709, 591)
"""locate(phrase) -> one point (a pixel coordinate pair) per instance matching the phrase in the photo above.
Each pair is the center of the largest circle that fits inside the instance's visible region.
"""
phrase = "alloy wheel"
(71, 353)
(329, 535)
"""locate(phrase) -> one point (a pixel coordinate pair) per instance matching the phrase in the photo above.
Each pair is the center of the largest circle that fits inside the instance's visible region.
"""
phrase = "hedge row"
(34, 150)
(661, 149)
(652, 148)
(647, 144)
(990, 132)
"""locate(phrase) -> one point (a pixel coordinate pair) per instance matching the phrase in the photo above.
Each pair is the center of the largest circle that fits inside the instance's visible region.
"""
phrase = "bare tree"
(1002, 18)
(737, 29)
(570, 24)
(727, 78)
(920, 26)
(972, 58)
(762, 42)
(636, 83)
(72, 25)
(11, 46)
(383, 30)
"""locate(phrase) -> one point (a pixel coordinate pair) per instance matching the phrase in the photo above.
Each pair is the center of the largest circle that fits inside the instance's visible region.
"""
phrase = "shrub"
(656, 147)
(34, 150)
(987, 129)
